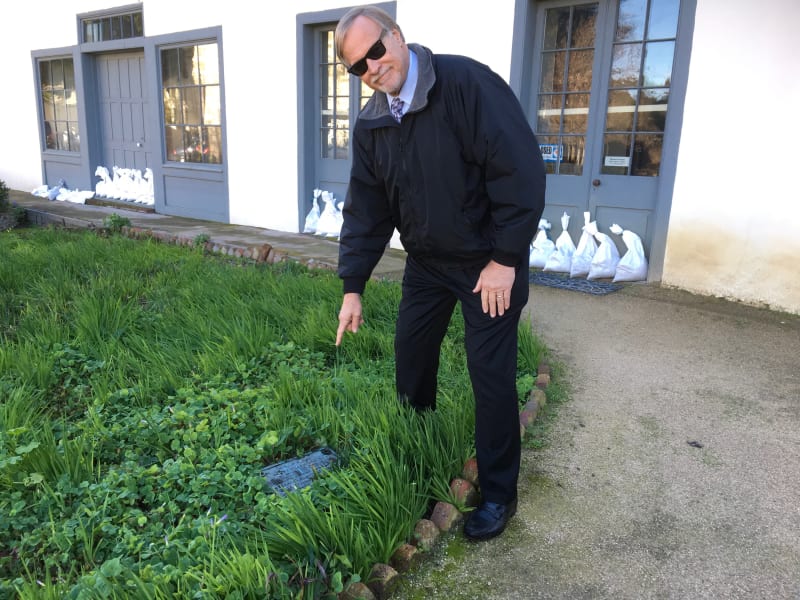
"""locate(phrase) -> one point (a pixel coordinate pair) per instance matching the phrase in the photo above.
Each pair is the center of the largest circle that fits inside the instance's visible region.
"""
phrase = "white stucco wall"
(734, 215)
(734, 227)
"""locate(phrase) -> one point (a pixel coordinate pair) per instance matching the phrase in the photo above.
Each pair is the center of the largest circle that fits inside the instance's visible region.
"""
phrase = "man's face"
(386, 74)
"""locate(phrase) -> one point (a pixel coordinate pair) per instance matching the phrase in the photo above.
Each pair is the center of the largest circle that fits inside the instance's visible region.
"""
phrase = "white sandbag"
(584, 253)
(605, 260)
(330, 224)
(633, 264)
(561, 258)
(542, 246)
(312, 218)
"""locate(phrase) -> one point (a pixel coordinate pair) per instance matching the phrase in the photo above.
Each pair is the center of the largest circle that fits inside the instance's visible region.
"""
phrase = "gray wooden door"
(602, 72)
(123, 108)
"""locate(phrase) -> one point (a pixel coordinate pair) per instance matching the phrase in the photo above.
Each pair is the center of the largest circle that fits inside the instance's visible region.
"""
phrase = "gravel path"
(673, 471)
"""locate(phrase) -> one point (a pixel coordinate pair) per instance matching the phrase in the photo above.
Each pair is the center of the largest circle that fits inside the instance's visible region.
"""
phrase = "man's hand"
(350, 316)
(494, 285)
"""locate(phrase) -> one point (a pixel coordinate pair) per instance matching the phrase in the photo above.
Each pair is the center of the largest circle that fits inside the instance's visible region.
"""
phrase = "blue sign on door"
(551, 152)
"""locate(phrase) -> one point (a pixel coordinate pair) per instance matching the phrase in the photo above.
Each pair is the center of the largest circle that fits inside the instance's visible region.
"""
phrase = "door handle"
(596, 183)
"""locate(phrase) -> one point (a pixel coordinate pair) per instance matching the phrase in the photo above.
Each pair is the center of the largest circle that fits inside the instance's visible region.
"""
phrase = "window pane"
(138, 25)
(69, 75)
(366, 94)
(621, 108)
(342, 81)
(573, 155)
(646, 155)
(62, 133)
(326, 142)
(191, 106)
(549, 114)
(576, 114)
(174, 142)
(172, 106)
(551, 152)
(214, 145)
(190, 73)
(127, 28)
(342, 144)
(44, 74)
(326, 54)
(326, 106)
(49, 134)
(57, 74)
(555, 28)
(625, 66)
(116, 28)
(60, 103)
(193, 144)
(583, 26)
(658, 63)
(663, 19)
(88, 31)
(208, 63)
(72, 107)
(553, 71)
(343, 109)
(105, 29)
(326, 80)
(616, 154)
(74, 137)
(630, 21)
(212, 109)
(580, 71)
(653, 109)
(170, 74)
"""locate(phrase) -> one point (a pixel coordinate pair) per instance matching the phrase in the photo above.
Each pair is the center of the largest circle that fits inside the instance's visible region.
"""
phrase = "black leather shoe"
(489, 520)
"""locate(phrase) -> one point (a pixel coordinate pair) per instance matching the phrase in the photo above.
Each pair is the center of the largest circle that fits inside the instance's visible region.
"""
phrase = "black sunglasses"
(377, 51)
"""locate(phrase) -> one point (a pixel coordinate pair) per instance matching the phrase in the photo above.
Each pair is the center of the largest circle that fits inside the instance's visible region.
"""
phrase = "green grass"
(144, 386)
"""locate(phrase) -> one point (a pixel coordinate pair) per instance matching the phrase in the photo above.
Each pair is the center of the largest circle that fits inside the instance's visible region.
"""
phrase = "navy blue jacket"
(461, 177)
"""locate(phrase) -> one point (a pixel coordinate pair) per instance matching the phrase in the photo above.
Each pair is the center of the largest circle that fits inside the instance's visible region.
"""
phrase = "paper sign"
(618, 161)
(551, 152)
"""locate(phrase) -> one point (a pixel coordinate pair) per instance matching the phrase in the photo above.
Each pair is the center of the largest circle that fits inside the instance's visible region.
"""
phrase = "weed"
(200, 242)
(4, 192)
(115, 222)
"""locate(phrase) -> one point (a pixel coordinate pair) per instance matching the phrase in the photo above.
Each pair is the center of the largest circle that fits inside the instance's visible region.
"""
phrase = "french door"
(602, 73)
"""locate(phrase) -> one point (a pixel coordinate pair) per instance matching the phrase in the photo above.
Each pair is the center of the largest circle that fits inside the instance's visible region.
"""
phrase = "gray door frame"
(308, 102)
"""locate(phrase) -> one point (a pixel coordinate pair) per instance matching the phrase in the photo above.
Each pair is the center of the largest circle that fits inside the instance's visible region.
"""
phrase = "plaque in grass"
(297, 473)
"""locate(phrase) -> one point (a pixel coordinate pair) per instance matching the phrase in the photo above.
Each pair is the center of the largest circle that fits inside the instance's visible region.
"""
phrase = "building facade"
(642, 109)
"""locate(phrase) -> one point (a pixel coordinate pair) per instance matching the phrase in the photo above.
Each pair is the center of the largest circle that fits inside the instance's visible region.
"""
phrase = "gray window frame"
(129, 10)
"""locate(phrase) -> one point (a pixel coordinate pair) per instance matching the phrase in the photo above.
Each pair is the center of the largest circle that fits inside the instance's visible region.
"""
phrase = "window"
(639, 85)
(192, 106)
(565, 86)
(336, 107)
(334, 101)
(59, 105)
(112, 27)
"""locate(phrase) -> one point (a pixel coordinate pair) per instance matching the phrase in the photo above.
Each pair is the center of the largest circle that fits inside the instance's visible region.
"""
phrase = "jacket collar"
(378, 106)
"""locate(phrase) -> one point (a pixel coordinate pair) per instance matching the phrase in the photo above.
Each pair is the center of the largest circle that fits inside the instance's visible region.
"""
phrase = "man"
(443, 152)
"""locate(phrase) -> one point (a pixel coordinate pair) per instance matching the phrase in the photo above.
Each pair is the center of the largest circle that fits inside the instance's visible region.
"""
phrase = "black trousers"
(429, 296)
